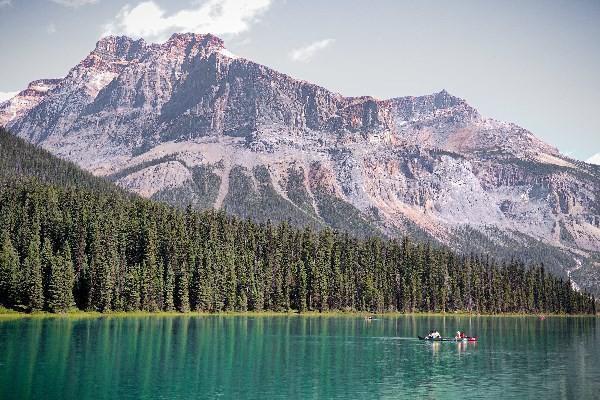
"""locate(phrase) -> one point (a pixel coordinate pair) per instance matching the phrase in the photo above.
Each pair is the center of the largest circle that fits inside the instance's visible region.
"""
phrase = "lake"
(291, 357)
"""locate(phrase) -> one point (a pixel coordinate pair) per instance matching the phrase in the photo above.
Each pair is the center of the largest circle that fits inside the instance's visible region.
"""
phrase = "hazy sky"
(535, 63)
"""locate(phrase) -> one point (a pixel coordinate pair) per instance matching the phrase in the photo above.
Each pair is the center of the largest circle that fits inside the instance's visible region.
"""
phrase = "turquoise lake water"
(289, 357)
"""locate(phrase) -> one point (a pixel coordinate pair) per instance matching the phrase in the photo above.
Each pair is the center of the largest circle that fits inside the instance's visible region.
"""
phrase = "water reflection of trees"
(293, 357)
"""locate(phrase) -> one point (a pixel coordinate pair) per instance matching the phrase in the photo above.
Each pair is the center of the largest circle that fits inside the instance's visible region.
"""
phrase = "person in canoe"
(459, 335)
(433, 335)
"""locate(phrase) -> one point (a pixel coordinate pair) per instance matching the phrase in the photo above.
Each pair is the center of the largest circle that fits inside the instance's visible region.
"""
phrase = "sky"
(534, 63)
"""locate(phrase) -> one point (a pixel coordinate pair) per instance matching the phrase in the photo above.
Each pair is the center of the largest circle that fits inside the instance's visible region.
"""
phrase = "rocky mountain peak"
(207, 41)
(41, 86)
(443, 99)
(434, 106)
(118, 48)
(26, 99)
(111, 54)
(126, 48)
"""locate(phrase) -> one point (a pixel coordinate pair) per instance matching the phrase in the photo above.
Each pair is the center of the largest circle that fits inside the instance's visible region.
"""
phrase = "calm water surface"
(298, 358)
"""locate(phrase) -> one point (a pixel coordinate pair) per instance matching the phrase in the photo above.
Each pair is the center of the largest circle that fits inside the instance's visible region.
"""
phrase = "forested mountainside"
(68, 247)
(62, 246)
(19, 159)
(187, 122)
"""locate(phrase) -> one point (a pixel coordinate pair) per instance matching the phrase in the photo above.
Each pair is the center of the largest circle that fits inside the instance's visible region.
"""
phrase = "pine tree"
(60, 281)
(182, 295)
(83, 285)
(169, 286)
(205, 289)
(55, 283)
(68, 277)
(80, 261)
(9, 272)
(302, 285)
(196, 283)
(152, 279)
(230, 280)
(47, 266)
(102, 275)
(32, 265)
(131, 289)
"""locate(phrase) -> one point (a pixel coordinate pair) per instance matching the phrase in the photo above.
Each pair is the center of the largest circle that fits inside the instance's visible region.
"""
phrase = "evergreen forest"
(70, 240)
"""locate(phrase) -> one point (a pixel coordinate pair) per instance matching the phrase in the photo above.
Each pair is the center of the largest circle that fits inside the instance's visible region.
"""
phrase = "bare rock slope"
(186, 121)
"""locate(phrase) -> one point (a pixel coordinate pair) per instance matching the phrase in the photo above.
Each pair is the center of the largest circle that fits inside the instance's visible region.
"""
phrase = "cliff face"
(186, 121)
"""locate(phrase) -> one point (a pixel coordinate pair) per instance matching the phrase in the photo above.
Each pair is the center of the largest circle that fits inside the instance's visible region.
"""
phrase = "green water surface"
(291, 357)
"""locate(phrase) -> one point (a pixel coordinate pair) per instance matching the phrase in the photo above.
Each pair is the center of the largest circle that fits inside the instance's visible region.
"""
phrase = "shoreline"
(78, 314)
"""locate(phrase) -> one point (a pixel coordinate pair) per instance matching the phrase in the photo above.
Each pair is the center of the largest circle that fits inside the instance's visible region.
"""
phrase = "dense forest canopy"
(19, 159)
(96, 248)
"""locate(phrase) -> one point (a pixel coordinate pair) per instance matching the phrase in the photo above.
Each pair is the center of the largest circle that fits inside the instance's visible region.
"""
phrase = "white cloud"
(7, 95)
(74, 3)
(51, 28)
(5, 3)
(595, 159)
(219, 17)
(307, 52)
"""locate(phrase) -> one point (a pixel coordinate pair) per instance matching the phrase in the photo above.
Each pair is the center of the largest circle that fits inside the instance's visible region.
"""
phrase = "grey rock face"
(186, 121)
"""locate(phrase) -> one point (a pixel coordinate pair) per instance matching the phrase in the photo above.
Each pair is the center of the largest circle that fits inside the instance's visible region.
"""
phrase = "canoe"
(450, 339)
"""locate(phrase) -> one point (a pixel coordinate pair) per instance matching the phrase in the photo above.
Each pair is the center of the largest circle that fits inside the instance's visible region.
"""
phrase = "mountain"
(186, 121)
(71, 240)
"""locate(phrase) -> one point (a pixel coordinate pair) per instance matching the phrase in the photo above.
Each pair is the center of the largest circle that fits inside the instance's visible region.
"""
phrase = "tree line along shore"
(67, 247)
(73, 241)
(74, 313)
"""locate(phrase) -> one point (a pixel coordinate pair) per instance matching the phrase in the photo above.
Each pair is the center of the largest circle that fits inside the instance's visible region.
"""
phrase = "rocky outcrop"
(25, 100)
(186, 121)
